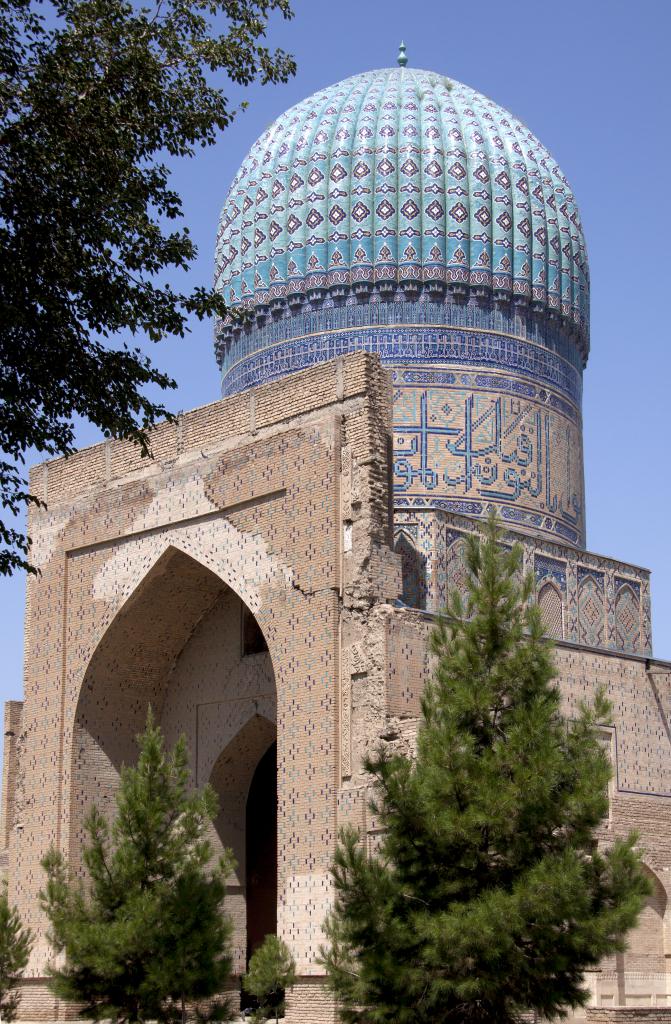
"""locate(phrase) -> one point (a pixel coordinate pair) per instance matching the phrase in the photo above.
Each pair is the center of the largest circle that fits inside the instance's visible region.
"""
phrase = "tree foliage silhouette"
(147, 935)
(272, 970)
(15, 946)
(96, 97)
(489, 895)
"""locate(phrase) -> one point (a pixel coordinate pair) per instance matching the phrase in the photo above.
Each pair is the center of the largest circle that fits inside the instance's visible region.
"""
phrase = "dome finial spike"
(402, 60)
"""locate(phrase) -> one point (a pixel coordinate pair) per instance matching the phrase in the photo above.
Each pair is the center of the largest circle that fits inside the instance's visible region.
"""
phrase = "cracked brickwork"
(277, 501)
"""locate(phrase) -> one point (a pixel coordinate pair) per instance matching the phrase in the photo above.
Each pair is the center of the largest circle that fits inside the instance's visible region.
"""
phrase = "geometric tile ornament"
(584, 598)
(405, 214)
(551, 606)
(627, 617)
(402, 175)
(591, 609)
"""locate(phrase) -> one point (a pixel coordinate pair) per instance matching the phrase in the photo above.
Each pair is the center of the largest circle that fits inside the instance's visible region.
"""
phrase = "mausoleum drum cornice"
(401, 184)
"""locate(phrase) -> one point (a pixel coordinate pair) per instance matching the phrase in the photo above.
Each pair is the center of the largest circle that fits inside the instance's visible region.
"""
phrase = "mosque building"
(408, 286)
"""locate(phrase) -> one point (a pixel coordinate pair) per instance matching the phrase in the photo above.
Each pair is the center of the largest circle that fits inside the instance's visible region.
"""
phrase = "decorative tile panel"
(589, 600)
(402, 176)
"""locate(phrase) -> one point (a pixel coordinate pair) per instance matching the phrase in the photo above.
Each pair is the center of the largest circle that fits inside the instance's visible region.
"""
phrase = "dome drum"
(312, 293)
(245, 318)
(402, 213)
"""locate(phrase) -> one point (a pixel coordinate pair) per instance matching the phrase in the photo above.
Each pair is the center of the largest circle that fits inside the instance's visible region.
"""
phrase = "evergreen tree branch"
(490, 894)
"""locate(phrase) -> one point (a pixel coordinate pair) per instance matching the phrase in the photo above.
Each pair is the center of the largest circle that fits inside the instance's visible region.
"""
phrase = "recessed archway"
(640, 971)
(552, 610)
(178, 643)
(244, 777)
(129, 670)
(261, 852)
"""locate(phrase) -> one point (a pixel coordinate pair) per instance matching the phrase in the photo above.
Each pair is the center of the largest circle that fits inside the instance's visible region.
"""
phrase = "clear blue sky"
(591, 79)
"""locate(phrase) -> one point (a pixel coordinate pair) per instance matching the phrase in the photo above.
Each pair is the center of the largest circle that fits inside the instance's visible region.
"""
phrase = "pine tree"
(272, 970)
(15, 945)
(488, 896)
(147, 936)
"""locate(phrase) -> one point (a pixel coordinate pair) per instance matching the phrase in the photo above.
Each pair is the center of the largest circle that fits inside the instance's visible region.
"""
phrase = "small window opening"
(253, 640)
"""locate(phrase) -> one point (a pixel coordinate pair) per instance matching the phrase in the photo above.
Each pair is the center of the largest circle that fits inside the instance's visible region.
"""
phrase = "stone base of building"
(38, 1003)
(310, 1000)
(628, 1015)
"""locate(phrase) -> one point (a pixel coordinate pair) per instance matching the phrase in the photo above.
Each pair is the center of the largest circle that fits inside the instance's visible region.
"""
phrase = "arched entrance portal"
(185, 643)
(641, 970)
(244, 778)
(261, 852)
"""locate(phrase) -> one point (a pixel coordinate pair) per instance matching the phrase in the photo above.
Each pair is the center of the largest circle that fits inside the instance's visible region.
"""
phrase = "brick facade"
(628, 1015)
(277, 503)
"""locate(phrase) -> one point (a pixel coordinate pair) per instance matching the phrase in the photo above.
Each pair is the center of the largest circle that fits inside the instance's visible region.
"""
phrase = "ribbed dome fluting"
(404, 214)
(403, 177)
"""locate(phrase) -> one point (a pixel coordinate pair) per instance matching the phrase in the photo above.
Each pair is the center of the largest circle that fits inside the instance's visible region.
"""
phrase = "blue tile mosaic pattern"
(402, 176)
(604, 603)
(404, 332)
(406, 215)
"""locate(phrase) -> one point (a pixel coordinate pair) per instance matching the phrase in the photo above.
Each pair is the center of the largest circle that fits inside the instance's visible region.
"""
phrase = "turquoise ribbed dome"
(402, 183)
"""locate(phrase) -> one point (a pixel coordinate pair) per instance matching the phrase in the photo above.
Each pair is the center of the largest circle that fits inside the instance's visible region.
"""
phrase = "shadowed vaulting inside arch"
(261, 852)
(647, 949)
(245, 779)
(181, 643)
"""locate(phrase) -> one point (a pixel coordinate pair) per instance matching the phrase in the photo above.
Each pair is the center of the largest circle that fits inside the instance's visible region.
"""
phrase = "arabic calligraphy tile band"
(404, 214)
(465, 448)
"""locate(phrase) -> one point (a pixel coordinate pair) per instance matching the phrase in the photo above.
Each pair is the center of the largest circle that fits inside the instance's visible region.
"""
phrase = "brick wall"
(628, 1015)
(13, 719)
(278, 499)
